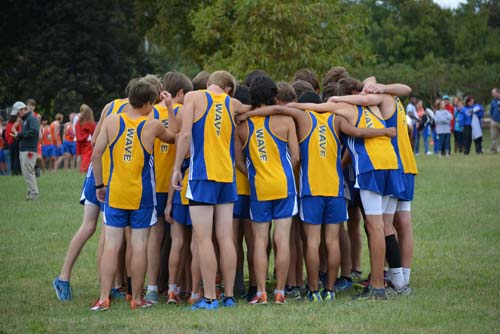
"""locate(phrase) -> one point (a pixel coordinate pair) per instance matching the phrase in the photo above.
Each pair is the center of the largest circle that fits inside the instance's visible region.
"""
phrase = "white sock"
(279, 291)
(406, 275)
(397, 277)
(153, 288)
(195, 295)
(173, 287)
(259, 293)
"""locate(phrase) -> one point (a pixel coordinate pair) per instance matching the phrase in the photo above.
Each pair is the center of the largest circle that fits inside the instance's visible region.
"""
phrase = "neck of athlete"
(142, 111)
(216, 89)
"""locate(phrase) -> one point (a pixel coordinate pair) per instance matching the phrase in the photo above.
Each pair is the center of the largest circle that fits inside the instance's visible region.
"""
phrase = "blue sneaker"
(229, 302)
(202, 305)
(343, 284)
(63, 289)
(328, 295)
(117, 293)
(314, 296)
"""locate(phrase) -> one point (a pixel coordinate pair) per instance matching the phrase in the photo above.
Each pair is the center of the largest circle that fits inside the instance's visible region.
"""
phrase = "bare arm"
(353, 131)
(172, 120)
(238, 107)
(238, 154)
(100, 145)
(293, 143)
(168, 207)
(165, 135)
(99, 123)
(364, 100)
(184, 138)
(346, 158)
(299, 115)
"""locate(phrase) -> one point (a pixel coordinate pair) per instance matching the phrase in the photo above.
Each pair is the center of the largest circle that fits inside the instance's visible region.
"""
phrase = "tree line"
(85, 51)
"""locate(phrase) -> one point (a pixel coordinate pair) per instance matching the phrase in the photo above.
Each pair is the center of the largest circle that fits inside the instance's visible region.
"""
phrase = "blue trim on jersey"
(197, 145)
(148, 196)
(110, 108)
(120, 110)
(156, 113)
(121, 130)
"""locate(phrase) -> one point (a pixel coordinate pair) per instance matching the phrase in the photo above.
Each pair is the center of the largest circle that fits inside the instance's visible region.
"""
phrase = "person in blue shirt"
(495, 119)
(471, 116)
(458, 132)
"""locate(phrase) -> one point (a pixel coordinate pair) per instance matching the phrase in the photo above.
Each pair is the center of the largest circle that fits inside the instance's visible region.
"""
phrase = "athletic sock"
(194, 295)
(280, 291)
(239, 282)
(397, 278)
(129, 285)
(392, 253)
(208, 300)
(153, 288)
(173, 287)
(406, 275)
(259, 293)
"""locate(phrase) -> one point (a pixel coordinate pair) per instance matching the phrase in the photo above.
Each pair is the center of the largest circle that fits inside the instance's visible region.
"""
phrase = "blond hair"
(224, 80)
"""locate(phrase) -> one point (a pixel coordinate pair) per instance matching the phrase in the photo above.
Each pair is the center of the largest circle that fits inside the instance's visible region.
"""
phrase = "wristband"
(100, 186)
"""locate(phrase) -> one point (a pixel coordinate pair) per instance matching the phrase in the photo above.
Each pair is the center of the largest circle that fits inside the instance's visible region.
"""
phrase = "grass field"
(455, 280)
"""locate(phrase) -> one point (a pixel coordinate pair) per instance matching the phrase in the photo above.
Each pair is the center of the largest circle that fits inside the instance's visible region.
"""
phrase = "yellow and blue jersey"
(116, 107)
(164, 153)
(270, 171)
(320, 165)
(242, 184)
(131, 183)
(401, 142)
(212, 142)
(369, 154)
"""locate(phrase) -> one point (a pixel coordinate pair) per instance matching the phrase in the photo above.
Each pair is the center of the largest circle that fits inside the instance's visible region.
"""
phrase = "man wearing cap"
(28, 141)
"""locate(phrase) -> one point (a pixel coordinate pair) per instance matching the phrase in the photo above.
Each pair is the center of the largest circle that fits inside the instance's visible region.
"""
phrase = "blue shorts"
(88, 194)
(180, 213)
(136, 219)
(409, 184)
(323, 210)
(2, 156)
(48, 151)
(211, 192)
(265, 211)
(69, 147)
(383, 182)
(161, 203)
(242, 207)
(59, 150)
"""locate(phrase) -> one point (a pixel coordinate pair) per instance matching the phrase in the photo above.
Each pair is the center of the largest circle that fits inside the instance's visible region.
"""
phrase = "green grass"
(456, 217)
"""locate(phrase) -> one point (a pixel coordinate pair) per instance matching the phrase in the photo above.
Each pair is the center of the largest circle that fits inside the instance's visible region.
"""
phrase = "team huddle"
(210, 166)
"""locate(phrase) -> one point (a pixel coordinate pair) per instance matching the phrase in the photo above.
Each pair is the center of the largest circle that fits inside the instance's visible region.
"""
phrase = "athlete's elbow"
(295, 159)
(184, 136)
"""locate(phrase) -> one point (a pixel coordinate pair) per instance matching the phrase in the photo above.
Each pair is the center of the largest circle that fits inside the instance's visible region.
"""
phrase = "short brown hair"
(59, 117)
(302, 86)
(223, 79)
(348, 85)
(154, 81)
(286, 93)
(330, 90)
(31, 102)
(200, 80)
(141, 93)
(334, 75)
(309, 76)
(130, 83)
(174, 82)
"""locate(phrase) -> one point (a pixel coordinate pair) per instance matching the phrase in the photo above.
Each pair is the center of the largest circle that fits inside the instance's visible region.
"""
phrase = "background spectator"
(471, 117)
(423, 128)
(443, 120)
(411, 110)
(495, 119)
(84, 130)
(458, 129)
(12, 144)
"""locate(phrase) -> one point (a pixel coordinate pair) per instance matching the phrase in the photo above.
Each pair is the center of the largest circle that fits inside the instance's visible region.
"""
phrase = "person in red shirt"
(48, 151)
(84, 129)
(69, 144)
(55, 133)
(12, 144)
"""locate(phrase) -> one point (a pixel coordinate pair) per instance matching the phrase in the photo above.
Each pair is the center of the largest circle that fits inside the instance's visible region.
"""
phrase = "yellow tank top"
(131, 183)
(164, 155)
(242, 184)
(116, 107)
(403, 140)
(212, 142)
(320, 167)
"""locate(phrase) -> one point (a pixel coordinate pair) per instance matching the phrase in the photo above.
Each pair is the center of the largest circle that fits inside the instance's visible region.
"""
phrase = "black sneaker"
(370, 293)
(37, 171)
(252, 292)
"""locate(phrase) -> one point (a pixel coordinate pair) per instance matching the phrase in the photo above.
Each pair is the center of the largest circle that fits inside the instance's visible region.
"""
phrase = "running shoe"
(356, 275)
(228, 302)
(262, 300)
(203, 305)
(252, 292)
(100, 306)
(343, 284)
(293, 294)
(141, 304)
(279, 299)
(328, 295)
(369, 293)
(392, 292)
(152, 296)
(173, 298)
(314, 297)
(63, 289)
(117, 293)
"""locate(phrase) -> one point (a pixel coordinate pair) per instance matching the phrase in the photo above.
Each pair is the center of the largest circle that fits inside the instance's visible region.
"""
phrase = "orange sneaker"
(142, 304)
(100, 306)
(279, 299)
(262, 300)
(173, 298)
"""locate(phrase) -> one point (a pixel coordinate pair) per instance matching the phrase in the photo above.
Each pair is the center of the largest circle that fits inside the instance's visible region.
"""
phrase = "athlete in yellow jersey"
(321, 186)
(130, 196)
(177, 84)
(377, 175)
(271, 151)
(394, 115)
(208, 125)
